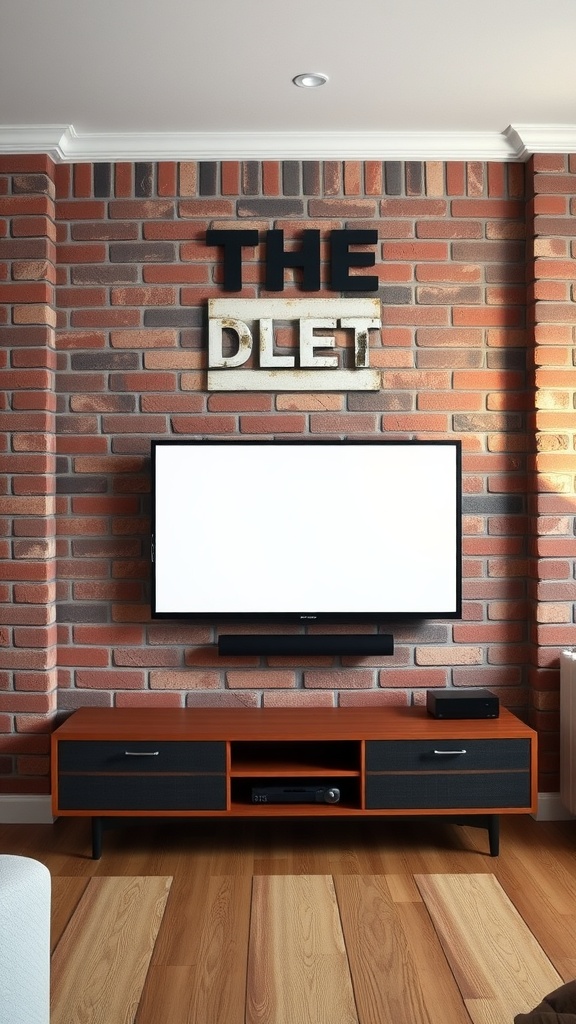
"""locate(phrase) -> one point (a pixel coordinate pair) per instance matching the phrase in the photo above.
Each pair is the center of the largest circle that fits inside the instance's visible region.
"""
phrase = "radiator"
(568, 730)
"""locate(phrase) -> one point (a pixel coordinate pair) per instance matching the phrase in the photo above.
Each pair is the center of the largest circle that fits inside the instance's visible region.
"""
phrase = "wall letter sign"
(239, 329)
(305, 258)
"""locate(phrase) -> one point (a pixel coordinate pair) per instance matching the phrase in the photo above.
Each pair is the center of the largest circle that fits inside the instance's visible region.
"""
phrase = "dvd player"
(295, 794)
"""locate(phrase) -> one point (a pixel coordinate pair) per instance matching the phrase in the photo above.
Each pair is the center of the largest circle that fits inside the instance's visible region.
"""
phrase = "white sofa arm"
(25, 896)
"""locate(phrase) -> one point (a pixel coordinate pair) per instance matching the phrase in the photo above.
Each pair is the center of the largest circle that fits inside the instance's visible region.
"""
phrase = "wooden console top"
(282, 724)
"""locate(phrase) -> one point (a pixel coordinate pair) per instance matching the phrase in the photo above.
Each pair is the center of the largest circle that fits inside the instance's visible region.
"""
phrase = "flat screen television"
(306, 531)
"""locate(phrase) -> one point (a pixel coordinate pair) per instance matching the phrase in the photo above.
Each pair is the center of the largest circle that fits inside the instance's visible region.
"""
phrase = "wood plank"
(211, 987)
(99, 966)
(297, 965)
(385, 951)
(66, 894)
(499, 966)
(442, 996)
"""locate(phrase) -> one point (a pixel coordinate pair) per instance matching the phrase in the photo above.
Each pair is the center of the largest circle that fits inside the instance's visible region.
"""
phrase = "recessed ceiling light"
(310, 80)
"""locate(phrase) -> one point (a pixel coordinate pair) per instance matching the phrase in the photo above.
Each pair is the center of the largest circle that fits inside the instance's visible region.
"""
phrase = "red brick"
(167, 173)
(128, 296)
(373, 177)
(105, 318)
(110, 679)
(455, 178)
(123, 179)
(495, 316)
(128, 699)
(176, 273)
(484, 208)
(24, 292)
(236, 679)
(144, 338)
(342, 679)
(94, 210)
(555, 183)
(414, 251)
(82, 177)
(183, 679)
(78, 253)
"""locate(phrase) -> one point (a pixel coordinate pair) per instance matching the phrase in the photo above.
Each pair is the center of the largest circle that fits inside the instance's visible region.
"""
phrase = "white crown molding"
(65, 145)
(541, 138)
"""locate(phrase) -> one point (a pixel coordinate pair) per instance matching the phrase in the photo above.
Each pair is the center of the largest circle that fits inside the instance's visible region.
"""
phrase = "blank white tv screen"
(309, 531)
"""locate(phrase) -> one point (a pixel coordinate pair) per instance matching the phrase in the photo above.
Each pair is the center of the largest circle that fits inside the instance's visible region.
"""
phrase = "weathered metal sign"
(242, 331)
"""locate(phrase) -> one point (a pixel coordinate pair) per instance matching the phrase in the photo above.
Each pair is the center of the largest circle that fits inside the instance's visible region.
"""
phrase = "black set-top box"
(462, 704)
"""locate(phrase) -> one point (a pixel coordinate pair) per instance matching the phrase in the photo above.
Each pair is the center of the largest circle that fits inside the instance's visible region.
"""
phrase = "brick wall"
(468, 257)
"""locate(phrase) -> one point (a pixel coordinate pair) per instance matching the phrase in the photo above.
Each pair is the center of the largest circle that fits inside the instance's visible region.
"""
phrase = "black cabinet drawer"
(428, 790)
(447, 755)
(137, 756)
(142, 793)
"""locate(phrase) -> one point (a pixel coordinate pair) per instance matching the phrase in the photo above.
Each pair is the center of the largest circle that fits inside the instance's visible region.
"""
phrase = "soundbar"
(307, 643)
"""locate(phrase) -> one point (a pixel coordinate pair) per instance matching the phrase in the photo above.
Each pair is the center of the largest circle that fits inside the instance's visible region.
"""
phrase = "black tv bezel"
(309, 618)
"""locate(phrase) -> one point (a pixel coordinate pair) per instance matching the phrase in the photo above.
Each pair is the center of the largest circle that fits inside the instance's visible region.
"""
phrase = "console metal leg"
(97, 832)
(494, 834)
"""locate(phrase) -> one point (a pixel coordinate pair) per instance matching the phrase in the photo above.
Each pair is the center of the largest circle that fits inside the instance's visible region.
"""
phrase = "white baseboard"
(551, 808)
(25, 810)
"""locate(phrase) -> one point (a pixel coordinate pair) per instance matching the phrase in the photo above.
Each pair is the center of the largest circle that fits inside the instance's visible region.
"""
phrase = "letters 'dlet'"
(239, 329)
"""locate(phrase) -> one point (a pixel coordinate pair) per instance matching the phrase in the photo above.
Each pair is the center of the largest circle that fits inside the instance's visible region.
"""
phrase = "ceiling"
(105, 79)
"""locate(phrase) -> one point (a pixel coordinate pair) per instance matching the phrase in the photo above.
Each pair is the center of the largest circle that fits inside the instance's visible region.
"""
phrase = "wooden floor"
(296, 922)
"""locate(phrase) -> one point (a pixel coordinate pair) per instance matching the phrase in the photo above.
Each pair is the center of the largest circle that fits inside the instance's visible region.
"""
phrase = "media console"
(395, 761)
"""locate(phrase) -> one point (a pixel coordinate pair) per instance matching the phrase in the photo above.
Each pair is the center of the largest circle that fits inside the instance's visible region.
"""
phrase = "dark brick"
(105, 361)
(81, 612)
(193, 338)
(270, 208)
(311, 178)
(394, 295)
(506, 359)
(81, 483)
(38, 183)
(120, 273)
(505, 273)
(291, 178)
(104, 230)
(142, 252)
(479, 422)
(208, 177)
(250, 178)
(62, 464)
(131, 445)
(143, 179)
(379, 401)
(393, 178)
(23, 249)
(419, 632)
(71, 700)
(492, 504)
(108, 547)
(81, 382)
(499, 251)
(332, 173)
(449, 358)
(31, 337)
(414, 178)
(189, 316)
(102, 180)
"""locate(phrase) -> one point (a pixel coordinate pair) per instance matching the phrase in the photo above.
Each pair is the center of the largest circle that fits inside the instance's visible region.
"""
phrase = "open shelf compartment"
(316, 759)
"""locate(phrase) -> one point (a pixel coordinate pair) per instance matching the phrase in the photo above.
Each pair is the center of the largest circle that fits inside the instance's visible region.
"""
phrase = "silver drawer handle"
(449, 751)
(141, 753)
